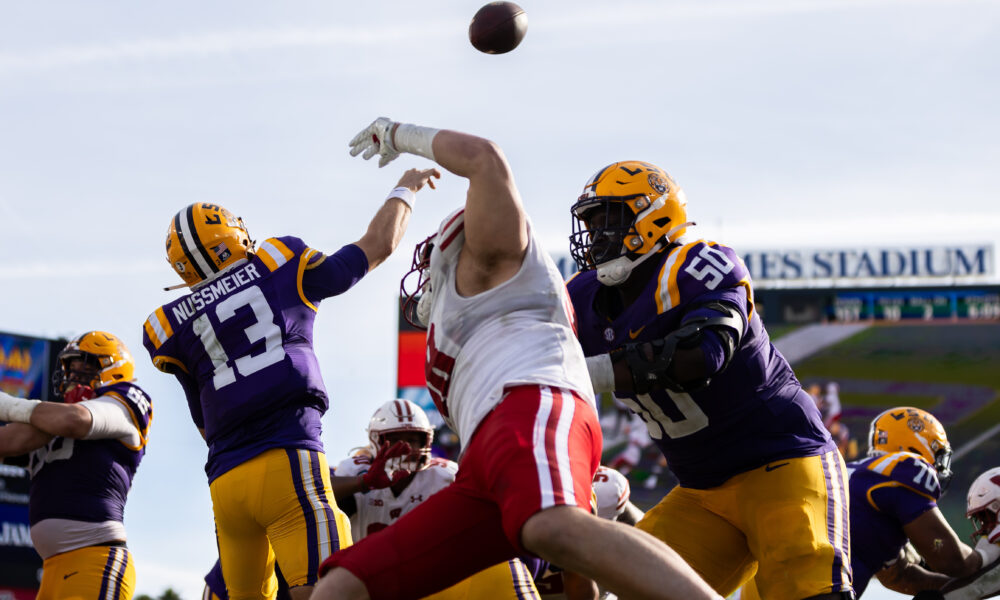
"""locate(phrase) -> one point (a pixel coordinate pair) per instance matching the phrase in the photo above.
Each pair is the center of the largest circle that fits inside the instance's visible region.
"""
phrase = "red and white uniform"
(520, 332)
(508, 375)
(612, 491)
(377, 509)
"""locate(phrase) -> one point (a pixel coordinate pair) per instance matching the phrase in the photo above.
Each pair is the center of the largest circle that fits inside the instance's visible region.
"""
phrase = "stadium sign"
(871, 265)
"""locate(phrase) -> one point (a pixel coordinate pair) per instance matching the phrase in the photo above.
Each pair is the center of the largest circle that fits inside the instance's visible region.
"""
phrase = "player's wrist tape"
(987, 551)
(405, 194)
(16, 410)
(602, 373)
(414, 139)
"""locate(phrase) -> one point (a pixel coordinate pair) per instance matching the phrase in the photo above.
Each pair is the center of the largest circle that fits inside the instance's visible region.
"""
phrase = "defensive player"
(240, 344)
(508, 377)
(376, 492)
(669, 326)
(84, 454)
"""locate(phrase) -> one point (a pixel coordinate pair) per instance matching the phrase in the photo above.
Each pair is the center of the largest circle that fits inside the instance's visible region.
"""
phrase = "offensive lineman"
(508, 376)
(84, 454)
(376, 492)
(669, 326)
(240, 344)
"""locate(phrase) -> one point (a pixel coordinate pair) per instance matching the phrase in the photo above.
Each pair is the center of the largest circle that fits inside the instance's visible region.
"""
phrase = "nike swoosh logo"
(770, 468)
(634, 334)
(70, 575)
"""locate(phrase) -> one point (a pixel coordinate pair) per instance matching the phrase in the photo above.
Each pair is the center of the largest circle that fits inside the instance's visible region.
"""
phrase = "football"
(498, 27)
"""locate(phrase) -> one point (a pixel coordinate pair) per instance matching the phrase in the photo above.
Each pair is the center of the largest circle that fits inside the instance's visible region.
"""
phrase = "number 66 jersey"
(241, 346)
(753, 412)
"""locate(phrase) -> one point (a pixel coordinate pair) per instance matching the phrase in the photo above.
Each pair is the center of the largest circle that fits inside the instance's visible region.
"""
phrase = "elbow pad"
(653, 373)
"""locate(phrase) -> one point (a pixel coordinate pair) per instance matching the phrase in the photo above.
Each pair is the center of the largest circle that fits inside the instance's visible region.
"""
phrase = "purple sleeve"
(327, 276)
(711, 344)
(193, 397)
(902, 502)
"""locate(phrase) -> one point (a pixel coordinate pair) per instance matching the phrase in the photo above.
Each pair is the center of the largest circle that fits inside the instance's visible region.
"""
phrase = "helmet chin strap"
(617, 271)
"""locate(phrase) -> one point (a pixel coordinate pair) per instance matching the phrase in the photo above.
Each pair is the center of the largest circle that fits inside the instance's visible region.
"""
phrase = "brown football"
(498, 27)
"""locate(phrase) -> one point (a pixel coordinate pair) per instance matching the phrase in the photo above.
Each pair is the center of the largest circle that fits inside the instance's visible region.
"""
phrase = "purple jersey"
(241, 346)
(89, 480)
(754, 412)
(887, 492)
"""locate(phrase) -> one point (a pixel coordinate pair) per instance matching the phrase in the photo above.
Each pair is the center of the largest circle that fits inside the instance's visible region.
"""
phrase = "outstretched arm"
(496, 233)
(19, 438)
(938, 543)
(389, 224)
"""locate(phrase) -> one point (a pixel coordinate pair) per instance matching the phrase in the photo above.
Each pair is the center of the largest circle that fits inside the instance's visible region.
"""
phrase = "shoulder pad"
(277, 251)
(139, 404)
(353, 466)
(909, 470)
(698, 267)
(612, 491)
(156, 330)
(442, 464)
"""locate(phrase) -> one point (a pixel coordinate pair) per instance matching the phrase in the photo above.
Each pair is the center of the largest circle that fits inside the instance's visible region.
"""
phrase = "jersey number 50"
(263, 329)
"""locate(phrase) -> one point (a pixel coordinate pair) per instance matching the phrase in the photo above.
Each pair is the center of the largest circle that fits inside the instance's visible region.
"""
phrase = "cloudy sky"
(788, 123)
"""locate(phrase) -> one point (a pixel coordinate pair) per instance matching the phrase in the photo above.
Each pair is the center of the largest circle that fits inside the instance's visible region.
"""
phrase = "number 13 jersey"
(517, 333)
(241, 346)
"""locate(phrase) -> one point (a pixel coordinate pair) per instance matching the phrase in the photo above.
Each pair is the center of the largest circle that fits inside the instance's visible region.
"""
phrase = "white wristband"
(602, 373)
(987, 551)
(405, 194)
(16, 410)
(414, 139)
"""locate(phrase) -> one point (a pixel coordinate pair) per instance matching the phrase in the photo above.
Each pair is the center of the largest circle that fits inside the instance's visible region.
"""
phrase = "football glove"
(376, 478)
(376, 139)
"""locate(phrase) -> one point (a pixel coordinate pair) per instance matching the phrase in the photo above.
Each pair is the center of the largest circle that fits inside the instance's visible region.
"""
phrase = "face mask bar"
(592, 246)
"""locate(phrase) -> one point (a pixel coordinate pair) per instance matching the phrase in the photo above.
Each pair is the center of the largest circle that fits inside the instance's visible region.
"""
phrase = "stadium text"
(870, 263)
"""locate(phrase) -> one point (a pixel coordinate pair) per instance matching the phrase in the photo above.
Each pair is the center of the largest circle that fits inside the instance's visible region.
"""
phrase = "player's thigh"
(797, 526)
(86, 573)
(304, 523)
(450, 536)
(538, 449)
(246, 556)
(713, 546)
(509, 580)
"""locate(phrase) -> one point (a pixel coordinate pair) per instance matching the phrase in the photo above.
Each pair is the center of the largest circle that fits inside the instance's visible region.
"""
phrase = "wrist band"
(415, 140)
(602, 373)
(16, 410)
(405, 194)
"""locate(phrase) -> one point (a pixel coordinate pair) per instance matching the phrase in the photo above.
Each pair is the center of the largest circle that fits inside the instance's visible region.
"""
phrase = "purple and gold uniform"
(761, 483)
(241, 346)
(887, 492)
(77, 504)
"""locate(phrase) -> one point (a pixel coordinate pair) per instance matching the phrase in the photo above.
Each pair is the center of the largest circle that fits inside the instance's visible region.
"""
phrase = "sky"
(788, 123)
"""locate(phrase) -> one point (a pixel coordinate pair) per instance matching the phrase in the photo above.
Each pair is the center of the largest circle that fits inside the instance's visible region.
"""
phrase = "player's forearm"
(910, 578)
(65, 420)
(20, 438)
(385, 231)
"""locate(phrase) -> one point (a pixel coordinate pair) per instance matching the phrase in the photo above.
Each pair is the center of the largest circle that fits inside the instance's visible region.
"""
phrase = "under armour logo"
(418, 498)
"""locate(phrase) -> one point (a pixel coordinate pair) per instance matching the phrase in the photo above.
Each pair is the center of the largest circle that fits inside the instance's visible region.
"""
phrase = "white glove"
(16, 410)
(989, 552)
(376, 139)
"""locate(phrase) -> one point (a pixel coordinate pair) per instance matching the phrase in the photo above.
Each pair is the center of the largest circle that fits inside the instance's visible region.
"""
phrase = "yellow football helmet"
(205, 239)
(628, 212)
(105, 358)
(913, 430)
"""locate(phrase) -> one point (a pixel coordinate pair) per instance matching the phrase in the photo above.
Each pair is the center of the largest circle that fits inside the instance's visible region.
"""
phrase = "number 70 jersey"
(243, 341)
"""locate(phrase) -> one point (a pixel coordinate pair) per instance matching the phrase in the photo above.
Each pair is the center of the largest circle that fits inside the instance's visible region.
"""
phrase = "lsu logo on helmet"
(205, 239)
(908, 429)
(628, 212)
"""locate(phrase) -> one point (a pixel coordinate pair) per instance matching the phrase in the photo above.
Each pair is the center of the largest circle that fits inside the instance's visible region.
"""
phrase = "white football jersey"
(520, 332)
(377, 509)
(612, 491)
